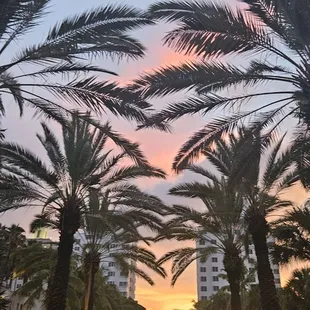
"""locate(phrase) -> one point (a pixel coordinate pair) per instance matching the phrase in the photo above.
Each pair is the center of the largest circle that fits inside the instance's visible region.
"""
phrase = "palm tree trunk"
(69, 224)
(233, 267)
(91, 268)
(268, 293)
(57, 293)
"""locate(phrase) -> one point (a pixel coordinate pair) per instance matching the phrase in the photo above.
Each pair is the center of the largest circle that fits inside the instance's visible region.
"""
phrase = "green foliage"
(76, 165)
(35, 264)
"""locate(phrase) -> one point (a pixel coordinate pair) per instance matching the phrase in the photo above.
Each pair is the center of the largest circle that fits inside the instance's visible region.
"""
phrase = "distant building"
(125, 282)
(209, 280)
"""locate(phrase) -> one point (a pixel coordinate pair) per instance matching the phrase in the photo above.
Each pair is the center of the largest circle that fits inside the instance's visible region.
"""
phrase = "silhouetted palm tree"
(221, 217)
(297, 290)
(292, 234)
(272, 41)
(75, 167)
(66, 50)
(114, 218)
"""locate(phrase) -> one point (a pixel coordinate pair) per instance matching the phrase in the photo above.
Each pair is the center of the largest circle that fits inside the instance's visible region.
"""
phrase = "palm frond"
(210, 29)
(96, 32)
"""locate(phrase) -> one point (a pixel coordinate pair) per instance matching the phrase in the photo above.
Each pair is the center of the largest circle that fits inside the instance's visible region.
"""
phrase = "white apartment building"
(125, 282)
(209, 280)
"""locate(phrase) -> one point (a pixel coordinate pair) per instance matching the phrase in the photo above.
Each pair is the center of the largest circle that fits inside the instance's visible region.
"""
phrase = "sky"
(160, 148)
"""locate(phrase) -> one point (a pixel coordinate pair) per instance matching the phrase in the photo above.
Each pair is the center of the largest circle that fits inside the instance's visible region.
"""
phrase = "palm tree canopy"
(292, 234)
(66, 50)
(108, 222)
(209, 31)
(221, 216)
(76, 164)
(296, 291)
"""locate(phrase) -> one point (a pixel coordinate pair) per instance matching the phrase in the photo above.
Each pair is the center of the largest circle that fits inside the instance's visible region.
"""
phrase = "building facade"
(209, 280)
(124, 282)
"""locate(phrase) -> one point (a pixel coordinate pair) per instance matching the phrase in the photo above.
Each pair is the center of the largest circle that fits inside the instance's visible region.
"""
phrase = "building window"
(203, 279)
(18, 285)
(215, 269)
(250, 251)
(203, 269)
(215, 278)
(111, 274)
(276, 271)
(251, 260)
(20, 278)
(202, 242)
(203, 288)
(123, 284)
(77, 248)
(111, 264)
(214, 259)
(213, 241)
(204, 297)
(111, 282)
(216, 288)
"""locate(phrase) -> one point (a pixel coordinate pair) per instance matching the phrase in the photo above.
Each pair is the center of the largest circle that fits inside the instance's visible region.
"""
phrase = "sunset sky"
(159, 147)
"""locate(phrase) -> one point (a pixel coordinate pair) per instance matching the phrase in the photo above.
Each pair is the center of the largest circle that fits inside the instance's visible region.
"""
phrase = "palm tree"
(12, 237)
(260, 190)
(35, 264)
(297, 290)
(277, 31)
(261, 187)
(114, 217)
(292, 234)
(62, 187)
(222, 217)
(67, 49)
(106, 223)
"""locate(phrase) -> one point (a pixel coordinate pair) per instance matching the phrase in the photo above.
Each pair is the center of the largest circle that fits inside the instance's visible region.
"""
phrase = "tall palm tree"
(35, 264)
(111, 217)
(261, 187)
(107, 222)
(75, 167)
(221, 217)
(66, 50)
(292, 234)
(275, 38)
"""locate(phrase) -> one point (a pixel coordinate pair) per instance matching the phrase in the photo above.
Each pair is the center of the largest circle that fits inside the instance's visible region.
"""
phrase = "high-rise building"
(124, 282)
(209, 280)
